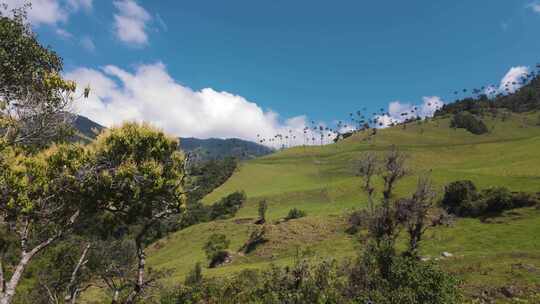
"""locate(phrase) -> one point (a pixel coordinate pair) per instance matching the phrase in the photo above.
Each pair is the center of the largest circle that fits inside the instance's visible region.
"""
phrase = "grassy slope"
(320, 180)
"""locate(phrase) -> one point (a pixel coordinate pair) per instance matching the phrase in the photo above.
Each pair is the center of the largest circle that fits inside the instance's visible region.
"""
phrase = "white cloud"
(63, 33)
(513, 80)
(87, 43)
(150, 94)
(42, 11)
(50, 12)
(399, 112)
(130, 22)
(535, 6)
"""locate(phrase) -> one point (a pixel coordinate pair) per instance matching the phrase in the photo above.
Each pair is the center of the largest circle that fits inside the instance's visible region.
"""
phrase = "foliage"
(295, 213)
(306, 283)
(256, 238)
(326, 281)
(194, 277)
(458, 194)
(210, 175)
(216, 249)
(43, 196)
(381, 277)
(227, 206)
(469, 122)
(461, 198)
(138, 178)
(263, 206)
(34, 98)
(61, 273)
(525, 99)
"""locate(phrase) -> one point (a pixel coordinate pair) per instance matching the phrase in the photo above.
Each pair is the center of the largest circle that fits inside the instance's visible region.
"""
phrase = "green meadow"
(321, 181)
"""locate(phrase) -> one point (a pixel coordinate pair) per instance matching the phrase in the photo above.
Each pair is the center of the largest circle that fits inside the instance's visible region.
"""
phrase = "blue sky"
(232, 68)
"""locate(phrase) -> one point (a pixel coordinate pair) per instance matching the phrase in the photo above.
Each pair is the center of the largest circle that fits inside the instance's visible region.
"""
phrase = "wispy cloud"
(534, 6)
(88, 44)
(63, 33)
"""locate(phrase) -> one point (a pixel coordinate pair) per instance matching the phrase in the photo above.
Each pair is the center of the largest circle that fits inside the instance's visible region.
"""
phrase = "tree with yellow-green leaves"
(40, 182)
(34, 99)
(137, 179)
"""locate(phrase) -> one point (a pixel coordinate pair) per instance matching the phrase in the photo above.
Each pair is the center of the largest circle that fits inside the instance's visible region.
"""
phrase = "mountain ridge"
(202, 149)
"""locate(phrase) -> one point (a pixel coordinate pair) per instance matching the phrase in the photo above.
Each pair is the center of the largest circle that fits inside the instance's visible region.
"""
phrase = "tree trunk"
(11, 286)
(140, 274)
(71, 289)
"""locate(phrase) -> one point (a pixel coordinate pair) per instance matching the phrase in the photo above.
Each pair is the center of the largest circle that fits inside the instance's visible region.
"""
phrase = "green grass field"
(321, 181)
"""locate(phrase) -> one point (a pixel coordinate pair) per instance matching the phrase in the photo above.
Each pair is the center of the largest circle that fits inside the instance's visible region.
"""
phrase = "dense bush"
(295, 214)
(227, 206)
(457, 194)
(461, 198)
(216, 249)
(357, 220)
(469, 122)
(408, 281)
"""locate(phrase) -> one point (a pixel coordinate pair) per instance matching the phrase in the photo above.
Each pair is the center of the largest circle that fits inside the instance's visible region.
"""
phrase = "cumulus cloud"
(399, 112)
(150, 94)
(513, 80)
(130, 22)
(50, 12)
(42, 11)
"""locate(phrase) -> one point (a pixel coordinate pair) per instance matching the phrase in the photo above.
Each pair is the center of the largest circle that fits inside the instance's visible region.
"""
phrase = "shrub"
(357, 220)
(263, 206)
(458, 194)
(227, 206)
(295, 214)
(461, 198)
(194, 277)
(496, 200)
(256, 238)
(216, 249)
(522, 199)
(468, 121)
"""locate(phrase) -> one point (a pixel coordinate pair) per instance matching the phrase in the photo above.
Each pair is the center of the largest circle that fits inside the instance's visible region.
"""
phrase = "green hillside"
(321, 181)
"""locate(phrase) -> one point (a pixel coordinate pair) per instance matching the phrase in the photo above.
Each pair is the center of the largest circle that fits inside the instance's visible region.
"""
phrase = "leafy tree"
(216, 249)
(468, 121)
(43, 196)
(227, 206)
(138, 180)
(457, 194)
(34, 99)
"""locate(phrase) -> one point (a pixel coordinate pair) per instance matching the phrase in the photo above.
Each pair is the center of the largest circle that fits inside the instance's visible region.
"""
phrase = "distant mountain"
(204, 149)
(215, 148)
(86, 127)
